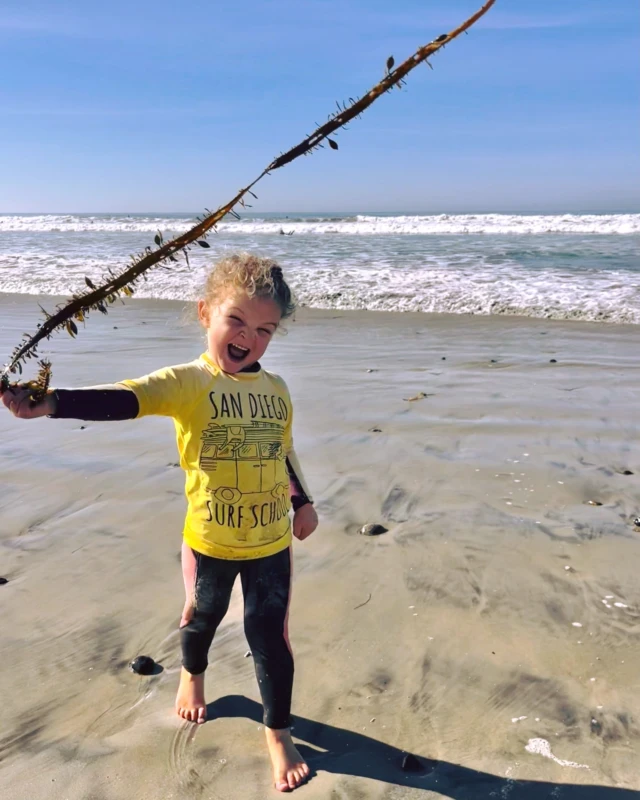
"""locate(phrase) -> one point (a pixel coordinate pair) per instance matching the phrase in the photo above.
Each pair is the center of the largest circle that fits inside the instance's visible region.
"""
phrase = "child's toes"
(202, 715)
(282, 786)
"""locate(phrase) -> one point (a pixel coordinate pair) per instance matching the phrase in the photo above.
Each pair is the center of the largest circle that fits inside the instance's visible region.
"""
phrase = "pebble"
(3, 581)
(373, 530)
(143, 665)
(553, 361)
(247, 654)
(411, 764)
(375, 430)
(636, 522)
(419, 396)
(627, 472)
(594, 503)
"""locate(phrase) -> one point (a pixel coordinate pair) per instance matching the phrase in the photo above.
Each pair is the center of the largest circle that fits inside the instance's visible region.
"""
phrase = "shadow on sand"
(344, 752)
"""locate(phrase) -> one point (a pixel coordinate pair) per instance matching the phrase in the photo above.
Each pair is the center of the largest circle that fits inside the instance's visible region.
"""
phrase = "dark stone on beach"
(411, 764)
(636, 522)
(375, 430)
(115, 327)
(627, 472)
(553, 361)
(83, 427)
(494, 361)
(373, 530)
(444, 358)
(143, 665)
(173, 464)
(3, 581)
(594, 503)
(247, 654)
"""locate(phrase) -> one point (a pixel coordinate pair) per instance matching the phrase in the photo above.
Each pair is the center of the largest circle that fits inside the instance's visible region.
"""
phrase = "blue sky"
(140, 106)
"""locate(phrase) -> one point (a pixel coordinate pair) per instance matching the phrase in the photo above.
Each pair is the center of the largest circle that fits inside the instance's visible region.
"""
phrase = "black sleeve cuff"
(298, 501)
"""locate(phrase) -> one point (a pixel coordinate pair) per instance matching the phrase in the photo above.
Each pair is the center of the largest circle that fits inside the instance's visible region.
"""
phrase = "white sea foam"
(543, 748)
(593, 274)
(361, 224)
(473, 289)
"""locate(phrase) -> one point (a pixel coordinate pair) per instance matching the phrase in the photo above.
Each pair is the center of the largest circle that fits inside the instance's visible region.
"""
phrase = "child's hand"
(305, 521)
(18, 402)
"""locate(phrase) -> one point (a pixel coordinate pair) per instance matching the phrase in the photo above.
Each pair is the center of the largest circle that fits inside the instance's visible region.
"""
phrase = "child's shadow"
(344, 752)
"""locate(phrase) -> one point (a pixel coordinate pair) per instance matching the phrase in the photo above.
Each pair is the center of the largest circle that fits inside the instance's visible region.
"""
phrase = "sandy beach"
(493, 631)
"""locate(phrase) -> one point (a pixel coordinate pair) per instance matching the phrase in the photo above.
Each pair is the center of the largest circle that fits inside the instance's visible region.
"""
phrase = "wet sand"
(493, 629)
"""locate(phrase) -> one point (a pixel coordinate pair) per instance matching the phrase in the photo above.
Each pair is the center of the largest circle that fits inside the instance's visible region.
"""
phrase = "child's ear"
(203, 313)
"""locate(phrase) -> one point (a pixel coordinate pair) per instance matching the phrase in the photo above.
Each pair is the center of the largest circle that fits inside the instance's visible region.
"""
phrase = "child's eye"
(235, 319)
(264, 332)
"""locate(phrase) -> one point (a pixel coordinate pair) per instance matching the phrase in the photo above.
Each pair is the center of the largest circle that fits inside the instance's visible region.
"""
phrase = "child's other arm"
(99, 403)
(300, 494)
(305, 519)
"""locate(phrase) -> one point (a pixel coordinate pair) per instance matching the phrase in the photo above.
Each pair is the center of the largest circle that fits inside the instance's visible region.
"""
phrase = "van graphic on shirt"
(243, 459)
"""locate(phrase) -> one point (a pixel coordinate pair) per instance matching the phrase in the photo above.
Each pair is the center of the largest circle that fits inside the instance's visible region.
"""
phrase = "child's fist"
(305, 521)
(19, 403)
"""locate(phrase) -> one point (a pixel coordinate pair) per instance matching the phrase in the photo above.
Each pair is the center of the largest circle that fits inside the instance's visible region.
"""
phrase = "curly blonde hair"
(254, 275)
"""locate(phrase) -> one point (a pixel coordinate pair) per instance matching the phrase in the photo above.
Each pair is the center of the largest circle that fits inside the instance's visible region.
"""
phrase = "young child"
(233, 422)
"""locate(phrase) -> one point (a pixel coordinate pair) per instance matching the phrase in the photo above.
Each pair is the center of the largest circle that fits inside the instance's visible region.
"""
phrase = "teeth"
(239, 347)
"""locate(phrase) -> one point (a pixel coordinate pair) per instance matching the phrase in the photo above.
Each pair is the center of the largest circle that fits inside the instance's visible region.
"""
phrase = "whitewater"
(563, 266)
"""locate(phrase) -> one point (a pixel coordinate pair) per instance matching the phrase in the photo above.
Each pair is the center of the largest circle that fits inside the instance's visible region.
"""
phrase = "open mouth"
(237, 353)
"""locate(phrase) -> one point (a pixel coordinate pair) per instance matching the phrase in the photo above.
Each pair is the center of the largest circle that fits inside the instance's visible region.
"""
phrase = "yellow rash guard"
(234, 436)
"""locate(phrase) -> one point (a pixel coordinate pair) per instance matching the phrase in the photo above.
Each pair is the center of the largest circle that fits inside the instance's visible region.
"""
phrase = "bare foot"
(190, 702)
(289, 768)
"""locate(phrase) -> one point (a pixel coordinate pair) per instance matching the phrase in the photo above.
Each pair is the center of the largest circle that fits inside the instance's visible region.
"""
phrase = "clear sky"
(131, 105)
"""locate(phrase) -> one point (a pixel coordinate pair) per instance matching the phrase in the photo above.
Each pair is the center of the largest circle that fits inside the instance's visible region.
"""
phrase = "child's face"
(239, 329)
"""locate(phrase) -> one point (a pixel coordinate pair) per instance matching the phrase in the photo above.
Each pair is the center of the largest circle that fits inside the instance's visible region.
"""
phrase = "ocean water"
(568, 266)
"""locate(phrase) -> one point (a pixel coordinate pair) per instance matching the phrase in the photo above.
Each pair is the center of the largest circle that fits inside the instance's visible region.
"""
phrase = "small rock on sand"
(3, 581)
(373, 530)
(143, 665)
(419, 396)
(411, 764)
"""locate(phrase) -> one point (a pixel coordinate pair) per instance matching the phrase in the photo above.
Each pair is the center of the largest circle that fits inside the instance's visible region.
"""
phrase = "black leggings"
(265, 586)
